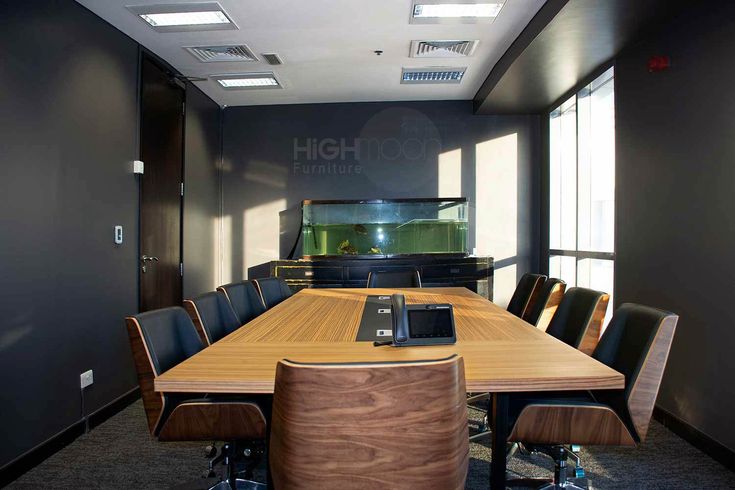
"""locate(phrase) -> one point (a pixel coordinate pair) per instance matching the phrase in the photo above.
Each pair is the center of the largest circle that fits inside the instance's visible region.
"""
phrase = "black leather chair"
(160, 340)
(273, 290)
(409, 278)
(526, 290)
(212, 315)
(245, 300)
(636, 344)
(578, 319)
(542, 310)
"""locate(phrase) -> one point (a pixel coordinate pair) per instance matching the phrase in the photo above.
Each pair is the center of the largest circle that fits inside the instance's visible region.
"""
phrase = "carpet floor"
(120, 454)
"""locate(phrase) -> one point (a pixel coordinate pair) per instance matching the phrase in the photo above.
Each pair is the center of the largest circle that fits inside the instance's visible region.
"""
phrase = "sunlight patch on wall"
(496, 197)
(222, 255)
(261, 234)
(450, 174)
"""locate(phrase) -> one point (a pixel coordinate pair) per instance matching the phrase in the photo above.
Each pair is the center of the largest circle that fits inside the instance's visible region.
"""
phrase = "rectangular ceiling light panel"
(432, 75)
(458, 11)
(205, 16)
(442, 49)
(248, 81)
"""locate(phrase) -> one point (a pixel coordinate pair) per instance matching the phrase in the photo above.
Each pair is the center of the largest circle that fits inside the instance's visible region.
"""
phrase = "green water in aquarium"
(414, 237)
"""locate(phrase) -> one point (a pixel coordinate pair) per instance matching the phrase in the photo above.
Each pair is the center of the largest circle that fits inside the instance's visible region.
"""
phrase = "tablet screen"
(430, 323)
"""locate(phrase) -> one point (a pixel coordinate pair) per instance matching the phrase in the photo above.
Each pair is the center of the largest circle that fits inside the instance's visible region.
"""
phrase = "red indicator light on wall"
(658, 63)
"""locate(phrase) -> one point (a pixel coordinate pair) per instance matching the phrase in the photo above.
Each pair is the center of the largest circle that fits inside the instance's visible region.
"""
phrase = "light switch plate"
(86, 379)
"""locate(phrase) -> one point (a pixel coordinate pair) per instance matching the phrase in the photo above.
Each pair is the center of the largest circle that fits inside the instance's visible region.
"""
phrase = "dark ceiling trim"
(537, 24)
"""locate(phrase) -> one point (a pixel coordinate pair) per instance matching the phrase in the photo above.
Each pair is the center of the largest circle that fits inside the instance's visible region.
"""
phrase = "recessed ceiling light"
(184, 17)
(462, 11)
(248, 81)
(432, 75)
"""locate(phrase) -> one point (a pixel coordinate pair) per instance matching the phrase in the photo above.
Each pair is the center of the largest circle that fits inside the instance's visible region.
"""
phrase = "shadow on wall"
(276, 157)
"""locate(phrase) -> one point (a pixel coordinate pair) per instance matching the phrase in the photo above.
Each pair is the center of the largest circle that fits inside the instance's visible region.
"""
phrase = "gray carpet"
(120, 454)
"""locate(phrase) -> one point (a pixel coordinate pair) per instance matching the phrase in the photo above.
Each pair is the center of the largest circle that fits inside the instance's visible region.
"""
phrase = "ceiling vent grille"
(272, 58)
(442, 49)
(432, 75)
(209, 54)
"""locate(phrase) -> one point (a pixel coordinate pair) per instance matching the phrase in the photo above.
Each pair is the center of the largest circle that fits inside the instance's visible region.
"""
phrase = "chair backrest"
(542, 310)
(160, 339)
(527, 288)
(272, 290)
(409, 278)
(387, 425)
(636, 343)
(578, 319)
(244, 299)
(212, 315)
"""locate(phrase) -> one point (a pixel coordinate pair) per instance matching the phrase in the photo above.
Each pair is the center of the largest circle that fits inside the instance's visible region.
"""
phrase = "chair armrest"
(210, 420)
(588, 424)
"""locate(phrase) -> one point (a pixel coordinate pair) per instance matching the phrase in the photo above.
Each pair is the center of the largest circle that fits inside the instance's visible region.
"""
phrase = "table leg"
(498, 415)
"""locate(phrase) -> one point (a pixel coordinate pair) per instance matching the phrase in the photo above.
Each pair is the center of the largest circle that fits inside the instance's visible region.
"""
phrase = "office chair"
(636, 344)
(578, 319)
(160, 340)
(394, 279)
(526, 291)
(398, 425)
(576, 322)
(212, 315)
(273, 290)
(542, 310)
(245, 300)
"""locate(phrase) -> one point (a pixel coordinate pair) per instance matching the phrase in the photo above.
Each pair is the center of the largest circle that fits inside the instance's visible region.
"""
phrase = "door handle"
(146, 258)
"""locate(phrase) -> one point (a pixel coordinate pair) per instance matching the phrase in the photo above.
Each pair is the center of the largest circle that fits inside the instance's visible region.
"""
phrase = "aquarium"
(384, 227)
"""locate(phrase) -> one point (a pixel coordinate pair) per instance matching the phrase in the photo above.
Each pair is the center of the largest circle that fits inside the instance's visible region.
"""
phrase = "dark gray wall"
(675, 234)
(68, 136)
(201, 196)
(68, 87)
(399, 149)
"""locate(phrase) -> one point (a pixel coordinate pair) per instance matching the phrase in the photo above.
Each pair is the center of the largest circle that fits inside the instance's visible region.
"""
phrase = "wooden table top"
(501, 352)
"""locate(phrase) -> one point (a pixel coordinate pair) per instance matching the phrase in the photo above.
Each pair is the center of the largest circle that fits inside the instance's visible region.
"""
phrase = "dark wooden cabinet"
(474, 273)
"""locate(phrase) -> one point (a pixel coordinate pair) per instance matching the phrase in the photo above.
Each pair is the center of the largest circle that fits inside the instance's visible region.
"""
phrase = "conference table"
(502, 353)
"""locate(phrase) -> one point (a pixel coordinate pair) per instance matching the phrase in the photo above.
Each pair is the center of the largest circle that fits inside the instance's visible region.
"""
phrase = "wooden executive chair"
(578, 319)
(394, 279)
(543, 307)
(161, 339)
(244, 299)
(525, 293)
(212, 315)
(637, 344)
(273, 290)
(398, 425)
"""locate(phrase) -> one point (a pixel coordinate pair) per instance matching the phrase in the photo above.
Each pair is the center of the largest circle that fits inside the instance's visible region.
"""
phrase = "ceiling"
(327, 47)
(567, 42)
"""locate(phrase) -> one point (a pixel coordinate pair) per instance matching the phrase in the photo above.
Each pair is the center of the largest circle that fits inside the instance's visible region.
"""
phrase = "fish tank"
(384, 228)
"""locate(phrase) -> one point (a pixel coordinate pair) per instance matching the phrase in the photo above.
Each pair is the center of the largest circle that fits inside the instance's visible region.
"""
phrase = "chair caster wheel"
(210, 451)
(578, 472)
(209, 474)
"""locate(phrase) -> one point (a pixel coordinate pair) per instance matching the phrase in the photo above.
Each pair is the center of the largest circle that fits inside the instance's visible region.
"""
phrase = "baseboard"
(696, 438)
(46, 449)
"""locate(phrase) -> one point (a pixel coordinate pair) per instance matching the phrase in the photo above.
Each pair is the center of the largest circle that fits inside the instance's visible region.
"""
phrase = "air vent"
(442, 49)
(272, 58)
(432, 75)
(209, 54)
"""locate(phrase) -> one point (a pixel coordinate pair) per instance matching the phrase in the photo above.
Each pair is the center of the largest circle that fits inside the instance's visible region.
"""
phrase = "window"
(582, 188)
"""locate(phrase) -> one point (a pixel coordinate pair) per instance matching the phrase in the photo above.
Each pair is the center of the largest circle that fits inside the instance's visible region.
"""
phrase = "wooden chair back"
(399, 425)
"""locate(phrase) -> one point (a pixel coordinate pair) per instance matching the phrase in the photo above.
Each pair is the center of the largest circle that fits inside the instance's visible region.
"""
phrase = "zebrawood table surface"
(501, 352)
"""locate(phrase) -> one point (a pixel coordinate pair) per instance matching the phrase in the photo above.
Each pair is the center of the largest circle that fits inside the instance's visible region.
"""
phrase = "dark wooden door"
(161, 148)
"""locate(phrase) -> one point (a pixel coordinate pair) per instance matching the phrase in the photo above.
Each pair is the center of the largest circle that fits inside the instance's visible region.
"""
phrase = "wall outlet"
(86, 379)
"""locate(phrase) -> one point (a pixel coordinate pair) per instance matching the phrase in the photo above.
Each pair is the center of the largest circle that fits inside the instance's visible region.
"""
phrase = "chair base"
(241, 485)
(545, 484)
